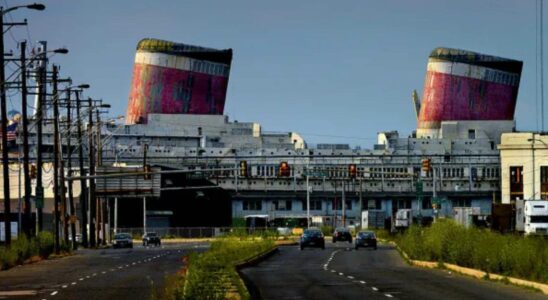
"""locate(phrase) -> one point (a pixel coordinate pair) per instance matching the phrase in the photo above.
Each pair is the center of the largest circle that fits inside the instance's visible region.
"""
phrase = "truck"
(373, 218)
(404, 218)
(465, 215)
(532, 216)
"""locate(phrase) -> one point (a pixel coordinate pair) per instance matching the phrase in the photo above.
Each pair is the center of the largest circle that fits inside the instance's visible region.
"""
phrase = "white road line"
(374, 288)
(362, 282)
(342, 274)
(81, 279)
(73, 283)
(65, 286)
(103, 272)
(132, 264)
(333, 271)
(112, 270)
(351, 277)
(54, 293)
(94, 274)
(87, 277)
(388, 295)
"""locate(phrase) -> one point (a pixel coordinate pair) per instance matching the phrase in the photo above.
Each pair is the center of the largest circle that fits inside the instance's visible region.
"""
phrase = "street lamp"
(4, 117)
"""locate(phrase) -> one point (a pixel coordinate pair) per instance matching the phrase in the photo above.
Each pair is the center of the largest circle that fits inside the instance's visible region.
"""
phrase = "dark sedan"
(366, 239)
(122, 240)
(342, 234)
(312, 238)
(151, 238)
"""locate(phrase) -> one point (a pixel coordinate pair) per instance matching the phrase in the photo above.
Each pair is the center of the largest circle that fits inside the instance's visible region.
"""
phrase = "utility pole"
(91, 158)
(69, 168)
(27, 228)
(4, 121)
(39, 193)
(83, 192)
(56, 189)
(99, 151)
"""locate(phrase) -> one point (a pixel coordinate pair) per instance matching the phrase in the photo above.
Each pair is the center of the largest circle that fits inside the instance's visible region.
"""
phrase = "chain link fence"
(195, 232)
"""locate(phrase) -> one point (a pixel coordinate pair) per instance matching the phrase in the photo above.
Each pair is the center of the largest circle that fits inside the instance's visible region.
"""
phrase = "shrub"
(212, 274)
(509, 255)
(24, 248)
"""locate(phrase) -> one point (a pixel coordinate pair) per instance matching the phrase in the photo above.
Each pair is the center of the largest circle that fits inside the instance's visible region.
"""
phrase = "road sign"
(418, 187)
(39, 198)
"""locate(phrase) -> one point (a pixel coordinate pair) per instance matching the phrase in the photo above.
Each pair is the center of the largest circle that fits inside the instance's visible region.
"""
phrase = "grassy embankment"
(24, 249)
(212, 274)
(508, 255)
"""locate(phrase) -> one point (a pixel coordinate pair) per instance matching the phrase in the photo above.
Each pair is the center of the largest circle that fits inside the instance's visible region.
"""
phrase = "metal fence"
(195, 232)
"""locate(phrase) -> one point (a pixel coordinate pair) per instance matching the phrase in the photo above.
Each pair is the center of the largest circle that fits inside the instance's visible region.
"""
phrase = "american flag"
(11, 129)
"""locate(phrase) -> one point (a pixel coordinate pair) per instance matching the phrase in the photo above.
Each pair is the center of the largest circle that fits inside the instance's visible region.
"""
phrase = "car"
(366, 239)
(342, 234)
(151, 238)
(78, 238)
(122, 240)
(312, 238)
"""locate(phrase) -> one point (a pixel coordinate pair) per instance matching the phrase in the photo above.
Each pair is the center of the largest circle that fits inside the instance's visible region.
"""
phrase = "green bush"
(509, 255)
(24, 248)
(212, 274)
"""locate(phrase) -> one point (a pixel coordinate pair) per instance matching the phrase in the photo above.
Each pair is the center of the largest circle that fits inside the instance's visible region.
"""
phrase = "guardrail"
(195, 232)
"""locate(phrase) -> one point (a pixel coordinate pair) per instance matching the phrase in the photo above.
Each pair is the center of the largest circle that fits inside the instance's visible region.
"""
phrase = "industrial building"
(175, 114)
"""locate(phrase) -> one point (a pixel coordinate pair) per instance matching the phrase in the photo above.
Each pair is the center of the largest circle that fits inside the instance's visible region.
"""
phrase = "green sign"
(39, 197)
(438, 200)
(418, 187)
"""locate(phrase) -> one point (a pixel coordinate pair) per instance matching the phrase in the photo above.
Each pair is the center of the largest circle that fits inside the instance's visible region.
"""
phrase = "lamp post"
(4, 120)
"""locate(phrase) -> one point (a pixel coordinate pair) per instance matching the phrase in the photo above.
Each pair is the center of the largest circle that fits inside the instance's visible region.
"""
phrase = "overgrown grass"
(212, 274)
(508, 255)
(24, 248)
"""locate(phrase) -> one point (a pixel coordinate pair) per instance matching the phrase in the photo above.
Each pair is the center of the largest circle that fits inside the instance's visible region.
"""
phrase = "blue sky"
(333, 71)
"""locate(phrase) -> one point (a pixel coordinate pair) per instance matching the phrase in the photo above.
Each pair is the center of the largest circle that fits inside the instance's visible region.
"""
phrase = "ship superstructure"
(469, 100)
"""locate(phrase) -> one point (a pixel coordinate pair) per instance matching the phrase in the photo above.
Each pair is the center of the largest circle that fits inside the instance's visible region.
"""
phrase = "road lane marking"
(65, 286)
(81, 279)
(87, 277)
(94, 274)
(388, 295)
(54, 293)
(17, 293)
(333, 271)
(362, 282)
(341, 273)
(374, 288)
(351, 277)
(73, 283)
(103, 272)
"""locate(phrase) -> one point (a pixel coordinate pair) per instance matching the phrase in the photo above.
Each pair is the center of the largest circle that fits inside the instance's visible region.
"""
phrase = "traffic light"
(243, 168)
(284, 170)
(32, 172)
(426, 165)
(352, 170)
(148, 176)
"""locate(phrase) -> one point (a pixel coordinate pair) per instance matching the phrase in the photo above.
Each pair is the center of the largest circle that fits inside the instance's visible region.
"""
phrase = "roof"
(180, 49)
(478, 59)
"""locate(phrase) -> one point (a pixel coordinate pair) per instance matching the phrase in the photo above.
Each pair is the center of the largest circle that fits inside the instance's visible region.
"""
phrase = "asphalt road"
(97, 274)
(340, 272)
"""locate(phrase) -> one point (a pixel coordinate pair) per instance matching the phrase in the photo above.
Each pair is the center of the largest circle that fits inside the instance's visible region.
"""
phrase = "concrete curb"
(252, 290)
(476, 273)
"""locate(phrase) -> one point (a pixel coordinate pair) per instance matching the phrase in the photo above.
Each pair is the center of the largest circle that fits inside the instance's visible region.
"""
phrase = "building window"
(314, 204)
(252, 205)
(462, 202)
(426, 203)
(472, 134)
(282, 204)
(337, 204)
(516, 183)
(544, 182)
